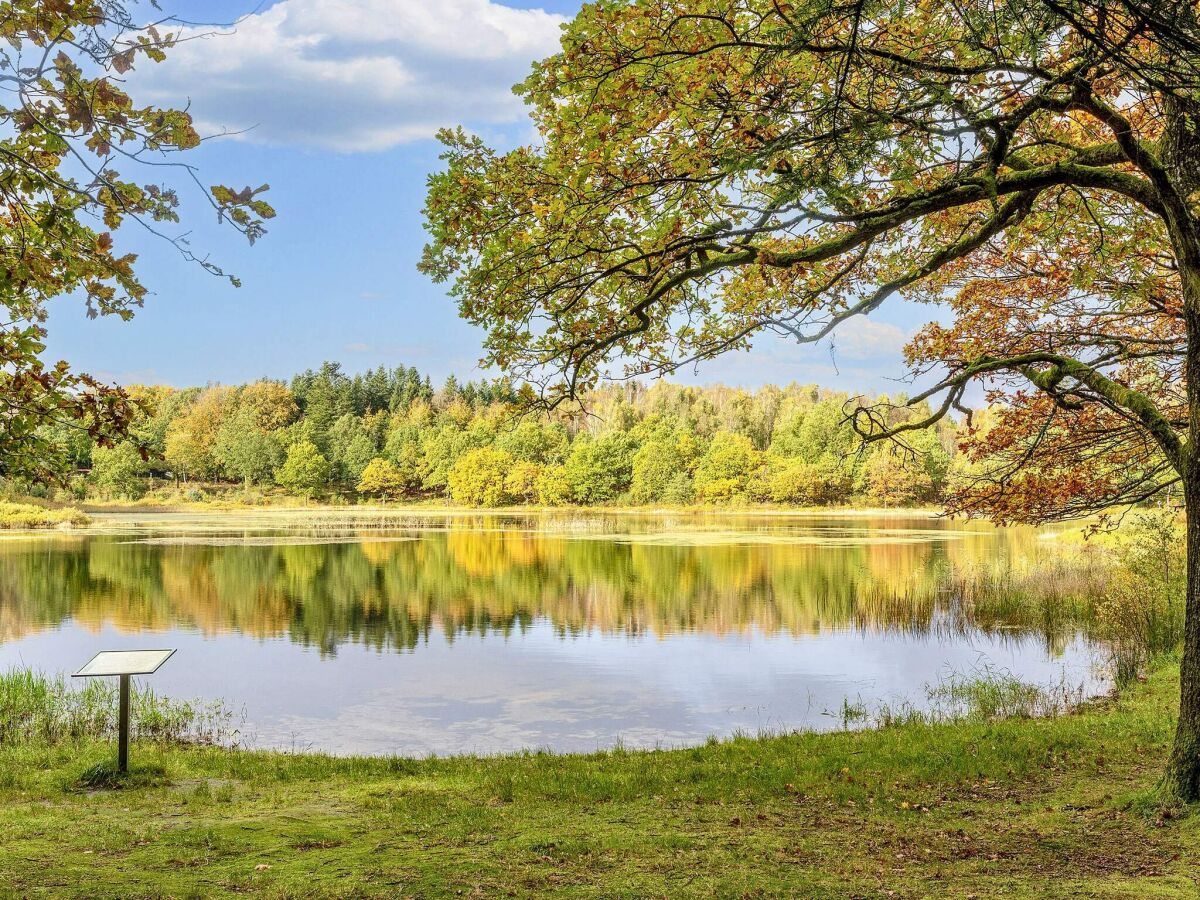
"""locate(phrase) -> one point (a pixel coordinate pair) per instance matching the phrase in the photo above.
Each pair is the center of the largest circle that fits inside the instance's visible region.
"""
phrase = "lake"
(431, 632)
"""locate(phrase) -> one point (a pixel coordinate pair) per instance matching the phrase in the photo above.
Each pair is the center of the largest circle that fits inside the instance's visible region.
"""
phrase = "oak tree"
(710, 170)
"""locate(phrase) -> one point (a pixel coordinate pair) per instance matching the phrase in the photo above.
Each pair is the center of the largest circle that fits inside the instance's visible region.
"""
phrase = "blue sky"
(337, 99)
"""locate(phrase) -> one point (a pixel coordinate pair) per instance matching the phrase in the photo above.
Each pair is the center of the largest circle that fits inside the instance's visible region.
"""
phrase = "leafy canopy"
(710, 170)
(72, 136)
(304, 470)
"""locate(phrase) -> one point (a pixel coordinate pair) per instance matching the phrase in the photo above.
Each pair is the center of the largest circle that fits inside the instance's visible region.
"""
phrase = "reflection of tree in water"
(391, 593)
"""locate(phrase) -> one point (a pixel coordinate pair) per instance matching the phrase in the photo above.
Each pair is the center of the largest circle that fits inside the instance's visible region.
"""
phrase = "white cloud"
(355, 75)
(863, 338)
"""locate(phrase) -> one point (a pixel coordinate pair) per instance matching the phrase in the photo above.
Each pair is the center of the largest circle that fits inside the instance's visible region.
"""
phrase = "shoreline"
(102, 518)
(1054, 807)
(450, 509)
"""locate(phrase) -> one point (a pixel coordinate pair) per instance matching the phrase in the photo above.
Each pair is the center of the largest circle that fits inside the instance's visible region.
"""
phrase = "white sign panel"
(124, 662)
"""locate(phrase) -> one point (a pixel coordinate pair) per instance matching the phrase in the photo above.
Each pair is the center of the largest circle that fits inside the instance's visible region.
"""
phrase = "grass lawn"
(1021, 808)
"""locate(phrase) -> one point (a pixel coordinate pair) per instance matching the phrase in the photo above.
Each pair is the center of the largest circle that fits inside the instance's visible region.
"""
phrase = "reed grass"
(46, 709)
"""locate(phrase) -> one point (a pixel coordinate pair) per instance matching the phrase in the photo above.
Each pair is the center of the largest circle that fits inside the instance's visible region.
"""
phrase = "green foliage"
(70, 446)
(191, 439)
(598, 470)
(351, 446)
(656, 465)
(816, 432)
(441, 449)
(117, 471)
(478, 478)
(680, 490)
(726, 467)
(802, 483)
(535, 441)
(662, 444)
(82, 158)
(403, 450)
(552, 487)
(1141, 611)
(305, 470)
(246, 451)
(381, 478)
(521, 482)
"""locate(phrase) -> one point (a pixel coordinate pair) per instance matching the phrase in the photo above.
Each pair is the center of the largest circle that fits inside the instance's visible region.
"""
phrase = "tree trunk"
(1181, 136)
(1182, 778)
(1183, 768)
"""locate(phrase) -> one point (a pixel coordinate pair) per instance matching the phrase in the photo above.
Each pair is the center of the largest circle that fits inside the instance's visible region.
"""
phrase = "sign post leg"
(123, 727)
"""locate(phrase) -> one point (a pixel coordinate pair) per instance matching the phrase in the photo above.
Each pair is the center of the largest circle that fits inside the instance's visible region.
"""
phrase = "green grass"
(1056, 807)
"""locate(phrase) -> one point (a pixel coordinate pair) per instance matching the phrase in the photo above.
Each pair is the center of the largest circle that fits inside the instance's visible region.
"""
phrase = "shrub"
(25, 515)
(1141, 613)
(717, 489)
(805, 484)
(680, 490)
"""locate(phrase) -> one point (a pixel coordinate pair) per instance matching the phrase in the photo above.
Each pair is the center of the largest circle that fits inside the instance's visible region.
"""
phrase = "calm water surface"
(446, 633)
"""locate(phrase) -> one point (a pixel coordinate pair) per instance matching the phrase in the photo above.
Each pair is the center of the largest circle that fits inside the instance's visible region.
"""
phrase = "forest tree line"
(391, 435)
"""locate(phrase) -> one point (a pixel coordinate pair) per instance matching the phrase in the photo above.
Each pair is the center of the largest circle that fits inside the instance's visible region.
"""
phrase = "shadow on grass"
(105, 776)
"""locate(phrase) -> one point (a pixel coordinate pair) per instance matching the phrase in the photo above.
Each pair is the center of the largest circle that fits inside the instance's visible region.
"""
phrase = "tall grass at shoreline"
(982, 696)
(1125, 591)
(27, 515)
(1052, 593)
(39, 708)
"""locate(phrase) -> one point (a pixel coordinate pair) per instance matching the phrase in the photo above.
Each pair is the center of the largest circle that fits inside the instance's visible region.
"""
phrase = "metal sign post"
(126, 664)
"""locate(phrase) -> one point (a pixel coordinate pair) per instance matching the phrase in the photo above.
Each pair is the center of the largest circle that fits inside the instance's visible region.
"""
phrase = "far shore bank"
(437, 508)
(32, 517)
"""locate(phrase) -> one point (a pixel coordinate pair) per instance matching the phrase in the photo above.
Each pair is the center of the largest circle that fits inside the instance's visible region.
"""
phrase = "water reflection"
(445, 633)
(388, 590)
